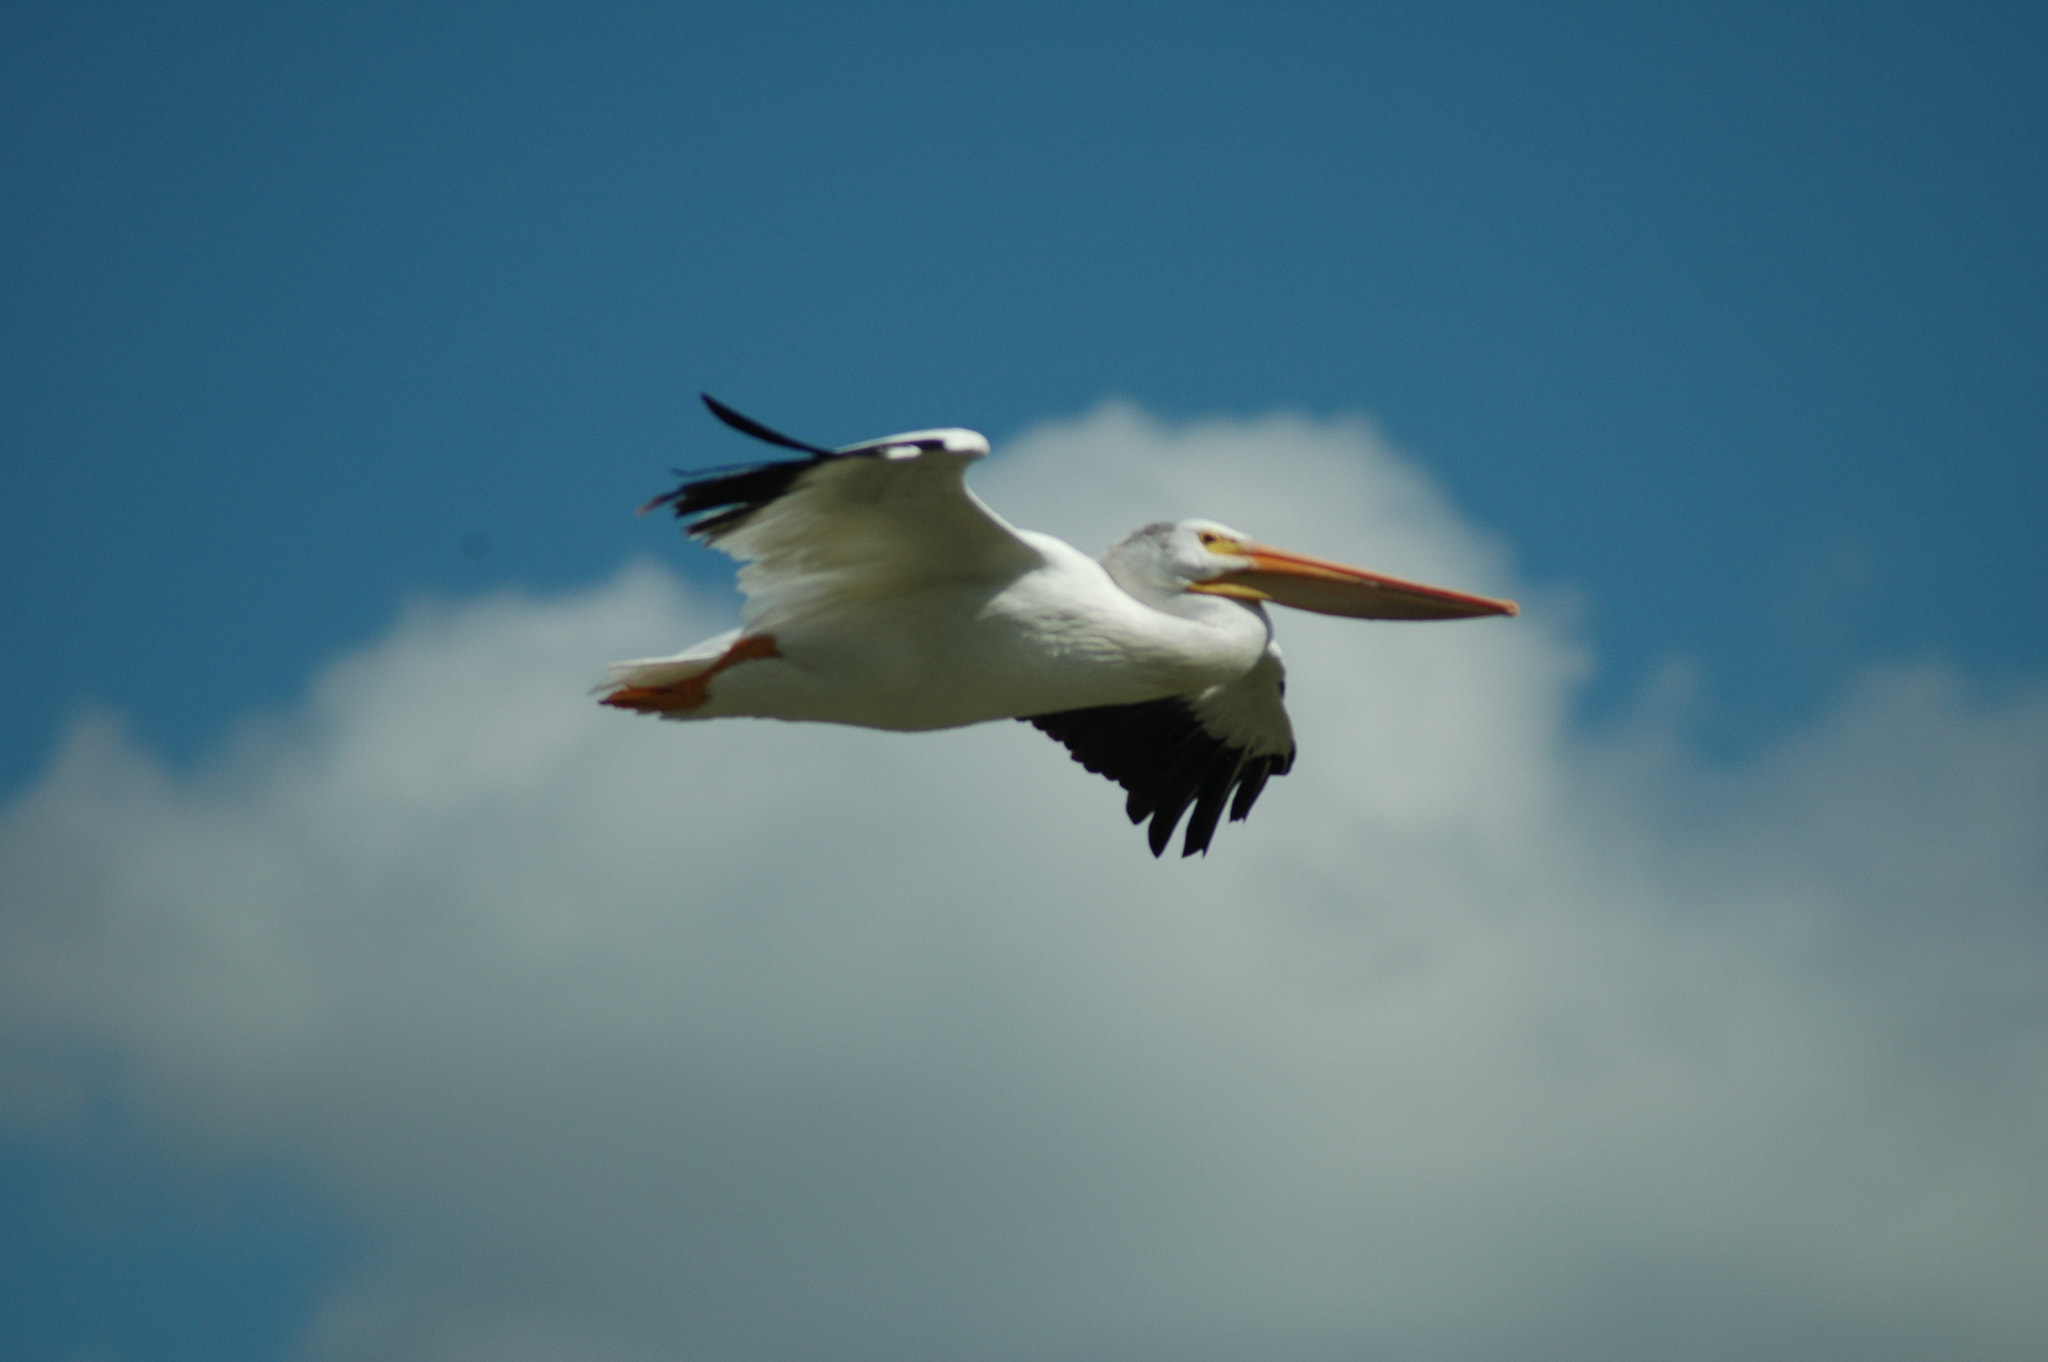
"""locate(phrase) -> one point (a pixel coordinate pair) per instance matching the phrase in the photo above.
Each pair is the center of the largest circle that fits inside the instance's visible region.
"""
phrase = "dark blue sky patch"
(111, 1250)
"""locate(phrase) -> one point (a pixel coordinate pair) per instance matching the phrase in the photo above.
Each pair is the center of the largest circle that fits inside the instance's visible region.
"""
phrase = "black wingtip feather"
(747, 425)
(1165, 760)
(1209, 806)
(731, 497)
(733, 493)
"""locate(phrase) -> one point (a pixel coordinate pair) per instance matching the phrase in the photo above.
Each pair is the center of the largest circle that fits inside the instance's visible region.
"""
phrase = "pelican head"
(1211, 559)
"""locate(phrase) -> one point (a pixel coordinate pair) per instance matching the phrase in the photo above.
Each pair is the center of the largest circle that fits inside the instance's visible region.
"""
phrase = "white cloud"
(1481, 1039)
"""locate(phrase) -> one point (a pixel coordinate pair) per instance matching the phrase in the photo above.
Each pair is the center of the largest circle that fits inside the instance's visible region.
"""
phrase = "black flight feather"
(1160, 753)
(735, 495)
(747, 425)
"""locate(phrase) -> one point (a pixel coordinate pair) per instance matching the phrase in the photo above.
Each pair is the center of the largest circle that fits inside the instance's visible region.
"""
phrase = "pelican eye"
(1218, 543)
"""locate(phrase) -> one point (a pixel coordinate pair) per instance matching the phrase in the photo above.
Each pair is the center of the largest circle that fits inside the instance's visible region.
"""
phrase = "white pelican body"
(883, 593)
(1058, 634)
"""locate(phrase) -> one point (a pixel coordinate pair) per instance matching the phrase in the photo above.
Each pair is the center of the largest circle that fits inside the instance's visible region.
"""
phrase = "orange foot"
(692, 691)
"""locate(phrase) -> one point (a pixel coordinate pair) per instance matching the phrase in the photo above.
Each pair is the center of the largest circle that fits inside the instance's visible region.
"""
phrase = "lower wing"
(1214, 747)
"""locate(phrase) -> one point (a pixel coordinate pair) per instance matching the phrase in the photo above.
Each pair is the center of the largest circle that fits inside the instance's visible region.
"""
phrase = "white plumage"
(881, 592)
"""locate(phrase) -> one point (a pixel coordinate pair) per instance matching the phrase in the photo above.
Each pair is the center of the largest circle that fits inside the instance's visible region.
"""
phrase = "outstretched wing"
(870, 519)
(1187, 749)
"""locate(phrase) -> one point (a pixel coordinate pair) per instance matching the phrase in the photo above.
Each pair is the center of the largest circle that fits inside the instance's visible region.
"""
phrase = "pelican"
(881, 592)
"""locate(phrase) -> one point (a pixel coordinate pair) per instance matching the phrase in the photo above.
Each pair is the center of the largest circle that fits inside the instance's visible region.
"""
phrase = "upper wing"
(1187, 749)
(874, 518)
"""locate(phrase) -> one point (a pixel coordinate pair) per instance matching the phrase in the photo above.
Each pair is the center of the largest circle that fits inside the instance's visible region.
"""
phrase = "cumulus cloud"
(1483, 1038)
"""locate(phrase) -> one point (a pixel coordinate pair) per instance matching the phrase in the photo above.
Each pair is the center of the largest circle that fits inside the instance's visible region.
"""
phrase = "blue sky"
(1717, 333)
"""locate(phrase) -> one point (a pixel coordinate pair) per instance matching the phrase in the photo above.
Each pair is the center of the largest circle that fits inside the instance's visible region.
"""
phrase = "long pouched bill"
(1328, 588)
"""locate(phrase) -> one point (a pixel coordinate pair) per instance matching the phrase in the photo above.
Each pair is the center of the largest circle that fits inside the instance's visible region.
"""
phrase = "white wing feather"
(881, 519)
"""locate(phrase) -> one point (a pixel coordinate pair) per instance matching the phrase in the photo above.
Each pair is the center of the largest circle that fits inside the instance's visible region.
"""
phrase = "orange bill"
(1334, 589)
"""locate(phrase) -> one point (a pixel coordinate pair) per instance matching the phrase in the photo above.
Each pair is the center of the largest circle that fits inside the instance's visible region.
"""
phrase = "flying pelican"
(883, 593)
